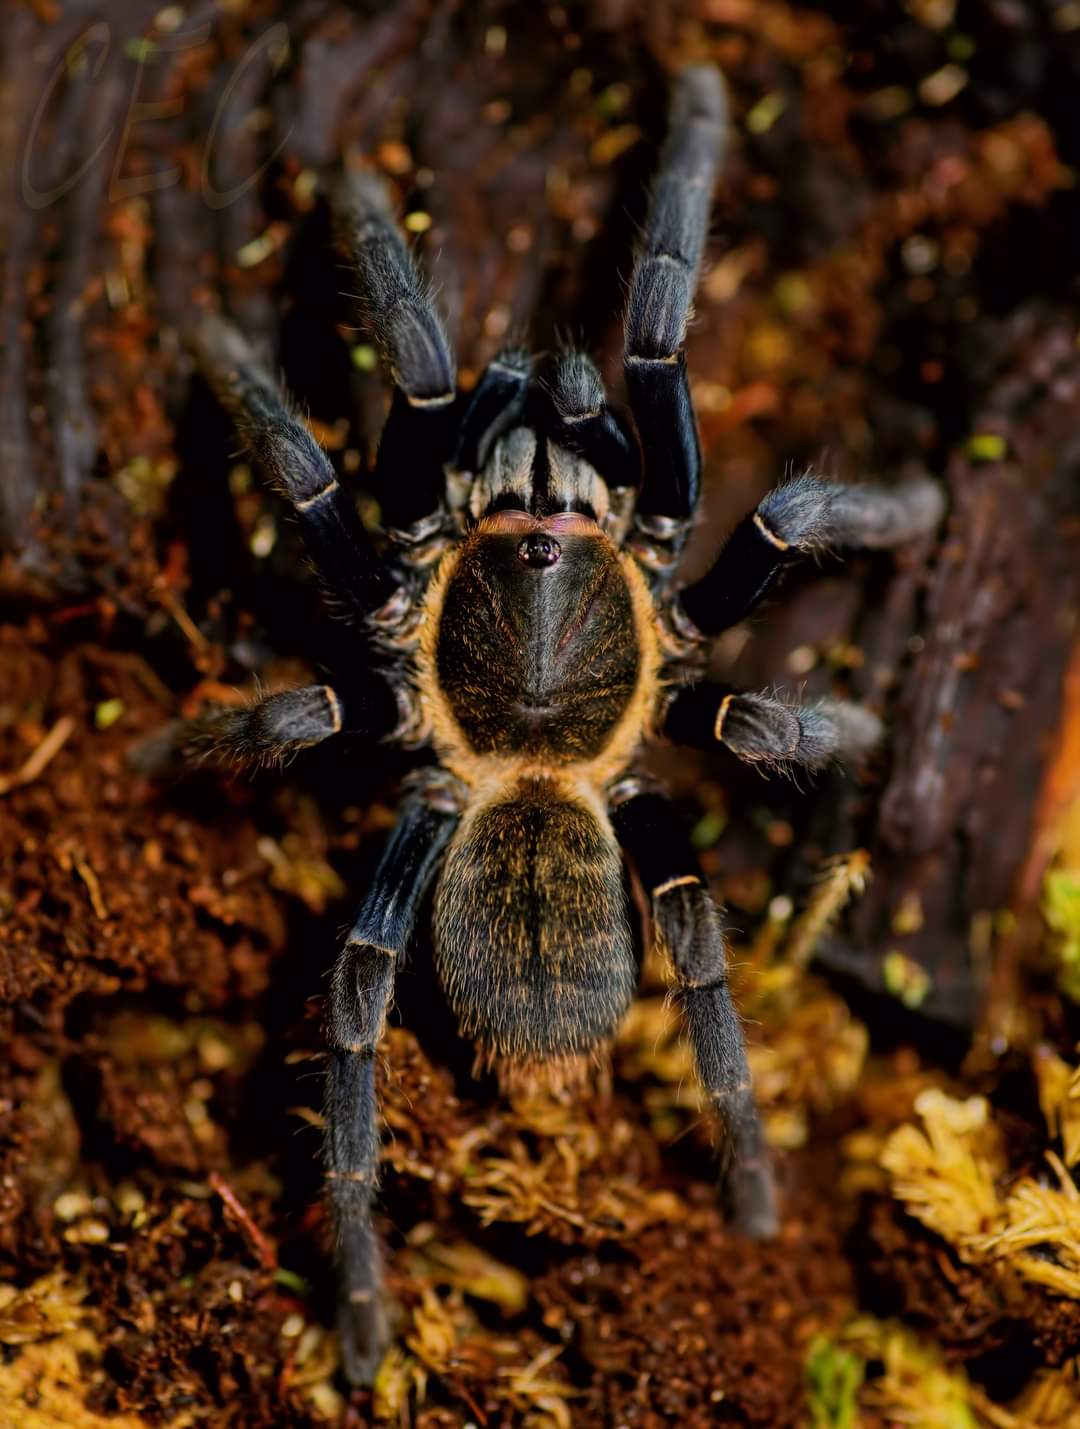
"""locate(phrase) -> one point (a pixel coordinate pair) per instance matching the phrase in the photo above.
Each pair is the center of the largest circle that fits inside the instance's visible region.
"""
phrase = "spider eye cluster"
(539, 550)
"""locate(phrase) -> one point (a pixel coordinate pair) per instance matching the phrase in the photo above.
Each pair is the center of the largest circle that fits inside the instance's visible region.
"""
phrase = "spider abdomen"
(532, 940)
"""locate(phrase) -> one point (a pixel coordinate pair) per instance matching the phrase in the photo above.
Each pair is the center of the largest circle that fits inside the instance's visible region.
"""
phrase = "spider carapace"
(521, 617)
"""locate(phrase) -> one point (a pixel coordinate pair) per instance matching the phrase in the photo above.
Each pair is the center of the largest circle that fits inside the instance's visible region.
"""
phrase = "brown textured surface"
(886, 284)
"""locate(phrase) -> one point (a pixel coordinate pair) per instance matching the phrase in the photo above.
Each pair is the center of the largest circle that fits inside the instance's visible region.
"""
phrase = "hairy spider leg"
(397, 309)
(661, 295)
(774, 733)
(496, 404)
(582, 422)
(805, 517)
(353, 577)
(360, 993)
(270, 731)
(687, 927)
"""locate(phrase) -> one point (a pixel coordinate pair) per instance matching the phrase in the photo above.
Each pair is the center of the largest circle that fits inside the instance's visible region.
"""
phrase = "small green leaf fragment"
(291, 1281)
(108, 712)
(140, 48)
(986, 446)
(960, 47)
(766, 112)
(905, 979)
(612, 101)
(708, 829)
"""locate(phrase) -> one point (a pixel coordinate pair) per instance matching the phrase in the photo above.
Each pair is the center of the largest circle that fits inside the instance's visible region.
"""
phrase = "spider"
(524, 623)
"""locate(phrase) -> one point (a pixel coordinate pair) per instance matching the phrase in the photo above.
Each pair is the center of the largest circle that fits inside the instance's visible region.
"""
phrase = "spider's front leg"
(297, 467)
(661, 297)
(396, 306)
(805, 515)
(360, 993)
(686, 924)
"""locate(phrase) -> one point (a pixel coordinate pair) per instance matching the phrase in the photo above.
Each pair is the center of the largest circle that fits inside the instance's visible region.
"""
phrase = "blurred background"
(891, 287)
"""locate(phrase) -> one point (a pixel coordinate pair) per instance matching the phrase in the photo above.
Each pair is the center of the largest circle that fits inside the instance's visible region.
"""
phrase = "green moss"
(833, 1380)
(906, 979)
(1061, 909)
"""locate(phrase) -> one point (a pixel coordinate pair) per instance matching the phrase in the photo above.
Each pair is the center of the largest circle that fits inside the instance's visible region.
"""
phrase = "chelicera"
(521, 618)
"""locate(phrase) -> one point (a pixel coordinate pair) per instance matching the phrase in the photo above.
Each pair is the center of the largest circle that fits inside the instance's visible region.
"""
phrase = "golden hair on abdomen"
(532, 940)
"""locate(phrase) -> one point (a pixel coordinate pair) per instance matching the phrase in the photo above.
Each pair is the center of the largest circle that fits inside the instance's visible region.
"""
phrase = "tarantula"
(524, 624)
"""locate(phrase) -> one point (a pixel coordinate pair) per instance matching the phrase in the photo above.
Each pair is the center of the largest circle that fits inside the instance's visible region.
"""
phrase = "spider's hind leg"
(360, 993)
(686, 924)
